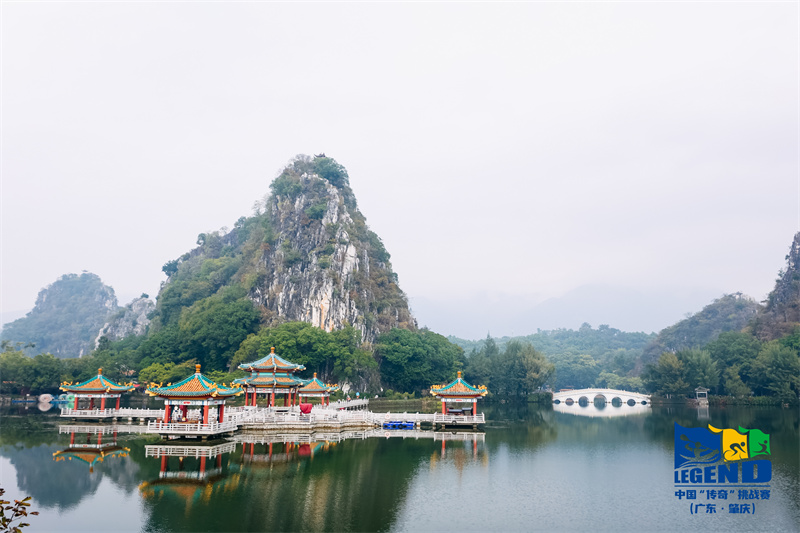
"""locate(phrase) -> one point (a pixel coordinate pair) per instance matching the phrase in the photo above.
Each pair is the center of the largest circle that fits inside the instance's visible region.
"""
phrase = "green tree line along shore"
(736, 366)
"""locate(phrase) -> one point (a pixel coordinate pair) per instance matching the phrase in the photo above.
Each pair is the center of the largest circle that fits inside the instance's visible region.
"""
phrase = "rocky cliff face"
(782, 312)
(130, 320)
(307, 255)
(328, 270)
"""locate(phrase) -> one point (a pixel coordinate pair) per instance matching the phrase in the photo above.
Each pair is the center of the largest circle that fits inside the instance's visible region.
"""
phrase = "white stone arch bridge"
(609, 395)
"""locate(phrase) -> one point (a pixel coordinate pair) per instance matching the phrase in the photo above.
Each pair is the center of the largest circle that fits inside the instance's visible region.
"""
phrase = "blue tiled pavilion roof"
(272, 362)
(97, 384)
(195, 386)
(458, 388)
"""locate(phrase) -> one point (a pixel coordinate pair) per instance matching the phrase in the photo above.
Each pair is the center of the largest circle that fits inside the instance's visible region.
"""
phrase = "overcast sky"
(505, 153)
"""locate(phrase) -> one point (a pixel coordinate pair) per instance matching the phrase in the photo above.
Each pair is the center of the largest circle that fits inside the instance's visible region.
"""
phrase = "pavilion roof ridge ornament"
(272, 362)
(316, 385)
(459, 388)
(98, 383)
(196, 385)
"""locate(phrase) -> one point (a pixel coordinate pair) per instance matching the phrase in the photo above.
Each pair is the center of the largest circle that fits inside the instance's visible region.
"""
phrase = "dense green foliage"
(415, 360)
(735, 365)
(582, 358)
(67, 316)
(517, 370)
(406, 361)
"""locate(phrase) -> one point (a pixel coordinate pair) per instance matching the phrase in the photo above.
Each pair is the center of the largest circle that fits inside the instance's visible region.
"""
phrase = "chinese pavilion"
(271, 375)
(96, 387)
(317, 389)
(459, 391)
(196, 390)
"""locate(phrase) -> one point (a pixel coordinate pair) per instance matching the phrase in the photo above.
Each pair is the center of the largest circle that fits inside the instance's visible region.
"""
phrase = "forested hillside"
(66, 318)
(731, 312)
(604, 356)
(735, 347)
(781, 315)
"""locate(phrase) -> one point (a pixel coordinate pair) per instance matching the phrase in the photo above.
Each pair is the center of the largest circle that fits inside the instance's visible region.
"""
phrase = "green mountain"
(66, 318)
(731, 312)
(305, 255)
(781, 315)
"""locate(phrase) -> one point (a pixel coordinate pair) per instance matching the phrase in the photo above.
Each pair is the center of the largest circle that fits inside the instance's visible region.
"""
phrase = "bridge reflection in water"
(602, 410)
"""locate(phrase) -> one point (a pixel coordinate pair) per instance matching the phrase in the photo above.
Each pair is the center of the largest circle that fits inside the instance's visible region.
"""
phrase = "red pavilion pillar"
(91, 403)
(163, 463)
(205, 414)
(272, 399)
(221, 413)
(76, 403)
(167, 413)
(474, 408)
(444, 412)
(118, 398)
(103, 403)
(203, 465)
(72, 438)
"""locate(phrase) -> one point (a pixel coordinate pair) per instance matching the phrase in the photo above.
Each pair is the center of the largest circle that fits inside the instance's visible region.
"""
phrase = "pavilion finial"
(315, 374)
(459, 374)
(272, 350)
(99, 371)
(196, 369)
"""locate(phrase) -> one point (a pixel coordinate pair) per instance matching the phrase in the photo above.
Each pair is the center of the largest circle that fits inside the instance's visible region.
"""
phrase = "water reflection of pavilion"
(89, 452)
(192, 480)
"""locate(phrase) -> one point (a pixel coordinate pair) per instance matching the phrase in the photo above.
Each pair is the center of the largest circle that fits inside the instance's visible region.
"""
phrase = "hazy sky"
(504, 152)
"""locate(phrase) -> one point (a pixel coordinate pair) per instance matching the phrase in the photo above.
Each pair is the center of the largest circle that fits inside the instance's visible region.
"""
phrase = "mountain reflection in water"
(535, 468)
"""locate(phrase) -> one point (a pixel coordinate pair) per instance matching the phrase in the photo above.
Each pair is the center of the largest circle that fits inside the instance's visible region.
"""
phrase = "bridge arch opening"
(556, 401)
(569, 401)
(583, 400)
(631, 402)
(616, 401)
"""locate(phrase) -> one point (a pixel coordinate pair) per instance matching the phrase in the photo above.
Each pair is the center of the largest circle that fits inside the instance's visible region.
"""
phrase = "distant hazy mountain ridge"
(67, 316)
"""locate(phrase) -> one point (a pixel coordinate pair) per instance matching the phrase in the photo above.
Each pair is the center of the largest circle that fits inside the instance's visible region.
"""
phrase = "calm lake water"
(535, 468)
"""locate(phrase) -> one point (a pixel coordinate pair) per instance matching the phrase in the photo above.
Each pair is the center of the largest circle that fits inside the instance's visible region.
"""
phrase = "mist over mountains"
(626, 309)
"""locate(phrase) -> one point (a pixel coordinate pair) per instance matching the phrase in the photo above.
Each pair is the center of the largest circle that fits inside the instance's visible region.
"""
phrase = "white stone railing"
(132, 412)
(159, 450)
(87, 413)
(267, 416)
(103, 429)
(125, 412)
(184, 428)
(439, 418)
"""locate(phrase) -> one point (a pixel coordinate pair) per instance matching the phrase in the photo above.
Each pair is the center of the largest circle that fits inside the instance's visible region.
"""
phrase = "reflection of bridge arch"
(608, 395)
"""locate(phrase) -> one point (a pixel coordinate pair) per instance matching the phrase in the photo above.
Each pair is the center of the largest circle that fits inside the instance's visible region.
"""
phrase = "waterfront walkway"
(337, 416)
